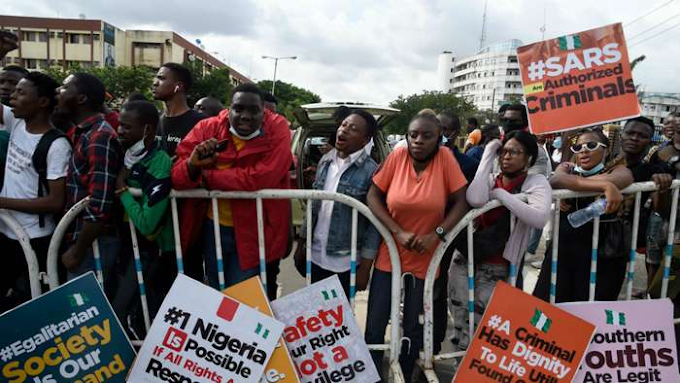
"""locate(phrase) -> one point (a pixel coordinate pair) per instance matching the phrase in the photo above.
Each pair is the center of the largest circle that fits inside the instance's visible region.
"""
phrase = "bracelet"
(121, 190)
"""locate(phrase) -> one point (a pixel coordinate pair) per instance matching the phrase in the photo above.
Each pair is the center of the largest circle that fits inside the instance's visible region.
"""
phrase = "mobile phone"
(220, 147)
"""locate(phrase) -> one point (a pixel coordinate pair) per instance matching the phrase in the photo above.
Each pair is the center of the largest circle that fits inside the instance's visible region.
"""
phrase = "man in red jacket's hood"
(244, 148)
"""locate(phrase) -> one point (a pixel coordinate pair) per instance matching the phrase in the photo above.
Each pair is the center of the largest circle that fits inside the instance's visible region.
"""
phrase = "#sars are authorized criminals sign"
(201, 335)
(67, 335)
(578, 80)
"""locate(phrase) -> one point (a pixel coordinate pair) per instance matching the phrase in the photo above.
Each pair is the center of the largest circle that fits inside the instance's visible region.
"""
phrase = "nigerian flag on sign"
(77, 299)
(541, 321)
(569, 42)
(615, 318)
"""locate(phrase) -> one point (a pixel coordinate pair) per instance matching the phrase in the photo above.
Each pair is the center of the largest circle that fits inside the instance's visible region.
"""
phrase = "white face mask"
(252, 135)
(135, 153)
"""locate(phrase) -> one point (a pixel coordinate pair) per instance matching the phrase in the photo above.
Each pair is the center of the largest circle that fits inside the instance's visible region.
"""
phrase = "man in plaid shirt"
(92, 172)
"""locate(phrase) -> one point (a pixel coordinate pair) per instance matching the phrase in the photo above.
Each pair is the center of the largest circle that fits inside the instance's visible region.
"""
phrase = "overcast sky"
(373, 51)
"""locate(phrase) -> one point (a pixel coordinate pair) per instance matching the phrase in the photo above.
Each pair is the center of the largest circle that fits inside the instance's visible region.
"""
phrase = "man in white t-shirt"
(28, 121)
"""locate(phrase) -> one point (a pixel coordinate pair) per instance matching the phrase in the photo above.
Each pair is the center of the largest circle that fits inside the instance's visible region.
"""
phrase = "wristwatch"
(441, 233)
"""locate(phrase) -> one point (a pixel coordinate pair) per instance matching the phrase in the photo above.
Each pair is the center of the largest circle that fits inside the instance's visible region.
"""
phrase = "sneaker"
(537, 264)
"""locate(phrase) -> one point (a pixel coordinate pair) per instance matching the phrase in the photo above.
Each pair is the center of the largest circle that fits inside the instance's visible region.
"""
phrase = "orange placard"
(280, 367)
(578, 80)
(523, 339)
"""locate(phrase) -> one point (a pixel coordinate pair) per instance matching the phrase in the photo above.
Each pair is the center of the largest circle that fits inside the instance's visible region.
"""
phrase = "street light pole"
(276, 64)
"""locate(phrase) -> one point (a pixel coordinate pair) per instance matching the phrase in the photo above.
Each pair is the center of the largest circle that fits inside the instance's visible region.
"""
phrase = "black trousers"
(15, 287)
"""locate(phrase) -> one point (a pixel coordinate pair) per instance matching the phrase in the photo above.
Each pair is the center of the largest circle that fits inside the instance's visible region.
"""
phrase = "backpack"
(4, 146)
(39, 160)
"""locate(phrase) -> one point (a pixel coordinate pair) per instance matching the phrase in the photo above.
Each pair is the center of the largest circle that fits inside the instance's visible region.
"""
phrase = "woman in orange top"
(410, 195)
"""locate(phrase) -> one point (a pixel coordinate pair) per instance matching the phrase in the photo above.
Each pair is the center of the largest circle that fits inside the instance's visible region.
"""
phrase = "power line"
(654, 27)
(653, 36)
(648, 13)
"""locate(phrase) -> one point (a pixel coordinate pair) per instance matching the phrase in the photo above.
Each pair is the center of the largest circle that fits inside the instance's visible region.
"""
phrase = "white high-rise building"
(488, 79)
(658, 106)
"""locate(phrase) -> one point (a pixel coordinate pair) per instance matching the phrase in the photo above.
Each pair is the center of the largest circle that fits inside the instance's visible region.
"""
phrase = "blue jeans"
(233, 273)
(379, 301)
(109, 249)
(534, 240)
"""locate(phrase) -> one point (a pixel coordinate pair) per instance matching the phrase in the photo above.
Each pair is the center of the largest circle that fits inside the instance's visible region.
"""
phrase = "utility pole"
(276, 64)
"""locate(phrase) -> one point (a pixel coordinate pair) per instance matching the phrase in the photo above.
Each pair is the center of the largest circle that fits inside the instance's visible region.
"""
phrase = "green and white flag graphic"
(615, 318)
(541, 321)
(569, 42)
(77, 299)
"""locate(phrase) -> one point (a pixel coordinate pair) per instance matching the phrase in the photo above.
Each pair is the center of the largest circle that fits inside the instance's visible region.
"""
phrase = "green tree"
(119, 81)
(216, 83)
(289, 97)
(438, 101)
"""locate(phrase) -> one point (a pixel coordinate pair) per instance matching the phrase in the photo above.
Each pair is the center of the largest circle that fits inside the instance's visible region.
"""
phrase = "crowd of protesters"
(60, 144)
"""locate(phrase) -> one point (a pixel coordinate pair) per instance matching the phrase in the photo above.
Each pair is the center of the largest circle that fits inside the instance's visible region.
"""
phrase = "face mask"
(557, 143)
(134, 153)
(587, 173)
(252, 135)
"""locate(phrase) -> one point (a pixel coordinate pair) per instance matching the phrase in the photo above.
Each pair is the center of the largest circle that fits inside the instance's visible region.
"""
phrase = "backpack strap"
(39, 160)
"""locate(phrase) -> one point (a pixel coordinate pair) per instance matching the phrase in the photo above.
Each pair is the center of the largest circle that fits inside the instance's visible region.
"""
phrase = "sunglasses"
(588, 146)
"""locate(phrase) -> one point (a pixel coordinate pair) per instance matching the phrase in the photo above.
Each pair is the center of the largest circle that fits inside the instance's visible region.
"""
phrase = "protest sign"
(524, 339)
(322, 335)
(67, 335)
(630, 345)
(578, 80)
(200, 334)
(280, 367)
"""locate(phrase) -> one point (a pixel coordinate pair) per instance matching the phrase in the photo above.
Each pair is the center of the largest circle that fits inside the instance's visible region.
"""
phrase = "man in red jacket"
(244, 148)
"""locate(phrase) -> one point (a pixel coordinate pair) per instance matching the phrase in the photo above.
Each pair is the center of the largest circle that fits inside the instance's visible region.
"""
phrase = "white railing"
(427, 358)
(394, 345)
(25, 242)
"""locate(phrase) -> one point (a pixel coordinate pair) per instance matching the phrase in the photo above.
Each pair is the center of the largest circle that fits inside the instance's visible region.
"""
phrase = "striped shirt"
(92, 171)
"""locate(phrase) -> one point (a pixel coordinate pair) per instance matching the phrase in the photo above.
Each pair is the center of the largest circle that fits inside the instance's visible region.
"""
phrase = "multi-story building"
(657, 106)
(488, 79)
(46, 42)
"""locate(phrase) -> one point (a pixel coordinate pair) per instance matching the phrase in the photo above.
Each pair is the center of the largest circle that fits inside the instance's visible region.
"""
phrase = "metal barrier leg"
(98, 262)
(555, 246)
(29, 253)
(471, 281)
(140, 275)
(669, 246)
(633, 246)
(261, 243)
(218, 244)
(593, 259)
(308, 245)
(178, 242)
(353, 259)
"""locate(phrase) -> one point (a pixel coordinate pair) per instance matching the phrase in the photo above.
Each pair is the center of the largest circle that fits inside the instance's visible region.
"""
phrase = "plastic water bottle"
(585, 215)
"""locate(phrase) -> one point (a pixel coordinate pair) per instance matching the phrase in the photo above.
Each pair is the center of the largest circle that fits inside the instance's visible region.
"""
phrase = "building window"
(30, 64)
(73, 38)
(29, 36)
(87, 39)
(43, 64)
(42, 37)
(60, 35)
(96, 37)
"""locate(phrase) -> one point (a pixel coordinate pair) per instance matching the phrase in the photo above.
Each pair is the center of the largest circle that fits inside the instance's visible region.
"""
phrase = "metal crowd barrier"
(427, 358)
(25, 242)
(394, 345)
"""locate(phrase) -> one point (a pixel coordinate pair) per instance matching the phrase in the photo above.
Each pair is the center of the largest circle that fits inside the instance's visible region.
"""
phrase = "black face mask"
(510, 126)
